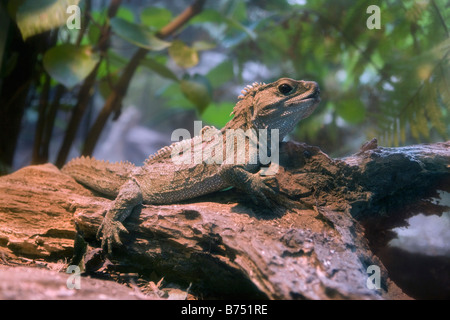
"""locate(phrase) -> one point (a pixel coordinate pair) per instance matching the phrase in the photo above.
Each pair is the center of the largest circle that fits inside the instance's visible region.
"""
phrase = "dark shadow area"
(420, 276)
(414, 266)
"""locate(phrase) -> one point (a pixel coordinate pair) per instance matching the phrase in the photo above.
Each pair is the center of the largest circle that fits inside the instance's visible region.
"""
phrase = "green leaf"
(125, 14)
(156, 17)
(197, 90)
(218, 114)
(433, 112)
(444, 85)
(208, 15)
(69, 64)
(183, 55)
(413, 127)
(94, 33)
(159, 68)
(240, 11)
(233, 23)
(221, 73)
(422, 123)
(99, 17)
(175, 98)
(137, 35)
(203, 45)
(34, 17)
(351, 110)
(402, 122)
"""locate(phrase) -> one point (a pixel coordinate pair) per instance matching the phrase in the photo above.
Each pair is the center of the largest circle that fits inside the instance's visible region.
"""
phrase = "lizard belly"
(164, 183)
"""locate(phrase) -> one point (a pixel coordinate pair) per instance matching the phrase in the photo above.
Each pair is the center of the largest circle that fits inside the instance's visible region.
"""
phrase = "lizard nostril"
(313, 85)
(313, 89)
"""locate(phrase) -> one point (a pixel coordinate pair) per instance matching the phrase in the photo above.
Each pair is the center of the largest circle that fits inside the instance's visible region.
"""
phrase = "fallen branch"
(222, 244)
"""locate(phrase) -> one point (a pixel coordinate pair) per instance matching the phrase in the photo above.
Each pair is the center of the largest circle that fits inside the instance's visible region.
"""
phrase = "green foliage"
(159, 68)
(175, 98)
(137, 35)
(183, 55)
(351, 110)
(218, 114)
(221, 74)
(197, 90)
(34, 17)
(125, 14)
(393, 83)
(156, 17)
(69, 64)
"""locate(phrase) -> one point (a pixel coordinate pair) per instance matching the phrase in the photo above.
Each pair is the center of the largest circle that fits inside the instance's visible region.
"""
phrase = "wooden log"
(224, 245)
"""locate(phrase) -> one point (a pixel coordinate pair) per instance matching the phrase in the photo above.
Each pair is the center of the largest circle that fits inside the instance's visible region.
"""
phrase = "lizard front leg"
(250, 182)
(130, 196)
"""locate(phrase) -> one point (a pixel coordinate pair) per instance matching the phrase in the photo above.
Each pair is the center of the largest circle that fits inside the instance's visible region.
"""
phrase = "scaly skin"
(204, 164)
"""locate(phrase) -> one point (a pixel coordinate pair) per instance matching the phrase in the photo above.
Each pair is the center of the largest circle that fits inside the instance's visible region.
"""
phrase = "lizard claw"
(268, 197)
(110, 231)
(251, 183)
(261, 193)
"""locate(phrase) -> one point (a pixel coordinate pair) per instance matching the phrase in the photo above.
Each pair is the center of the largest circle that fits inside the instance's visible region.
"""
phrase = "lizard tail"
(101, 176)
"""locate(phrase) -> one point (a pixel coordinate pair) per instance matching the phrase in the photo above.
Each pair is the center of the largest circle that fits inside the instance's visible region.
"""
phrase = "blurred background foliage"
(392, 83)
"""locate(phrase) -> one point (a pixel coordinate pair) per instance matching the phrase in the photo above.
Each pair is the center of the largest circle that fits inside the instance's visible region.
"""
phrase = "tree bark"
(223, 245)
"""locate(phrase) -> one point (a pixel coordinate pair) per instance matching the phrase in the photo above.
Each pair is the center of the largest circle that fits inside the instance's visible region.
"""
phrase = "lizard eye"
(285, 89)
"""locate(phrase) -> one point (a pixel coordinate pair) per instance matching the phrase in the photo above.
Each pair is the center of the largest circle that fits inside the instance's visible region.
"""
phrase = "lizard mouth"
(314, 96)
(305, 105)
(310, 99)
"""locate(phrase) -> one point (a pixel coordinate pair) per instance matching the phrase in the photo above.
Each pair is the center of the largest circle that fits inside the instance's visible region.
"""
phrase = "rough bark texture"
(224, 245)
(40, 284)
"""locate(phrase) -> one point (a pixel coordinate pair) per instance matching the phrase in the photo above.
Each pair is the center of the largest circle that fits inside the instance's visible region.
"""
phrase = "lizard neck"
(243, 117)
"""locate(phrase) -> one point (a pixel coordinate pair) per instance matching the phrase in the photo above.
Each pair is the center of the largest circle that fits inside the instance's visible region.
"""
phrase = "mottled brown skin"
(279, 105)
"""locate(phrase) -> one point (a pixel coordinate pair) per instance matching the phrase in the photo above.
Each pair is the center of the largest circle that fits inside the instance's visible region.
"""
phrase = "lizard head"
(278, 105)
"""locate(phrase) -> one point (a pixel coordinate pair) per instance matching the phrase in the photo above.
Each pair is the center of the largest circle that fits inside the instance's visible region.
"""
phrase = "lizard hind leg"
(130, 196)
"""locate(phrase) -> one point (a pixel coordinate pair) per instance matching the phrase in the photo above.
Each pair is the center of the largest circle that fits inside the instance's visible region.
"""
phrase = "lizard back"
(179, 171)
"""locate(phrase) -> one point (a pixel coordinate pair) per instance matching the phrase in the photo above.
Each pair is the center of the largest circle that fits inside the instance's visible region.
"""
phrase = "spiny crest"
(160, 154)
(251, 88)
(166, 152)
(91, 162)
(89, 159)
(246, 92)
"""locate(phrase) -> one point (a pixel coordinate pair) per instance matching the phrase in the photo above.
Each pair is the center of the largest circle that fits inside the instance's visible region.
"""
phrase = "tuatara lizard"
(205, 163)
